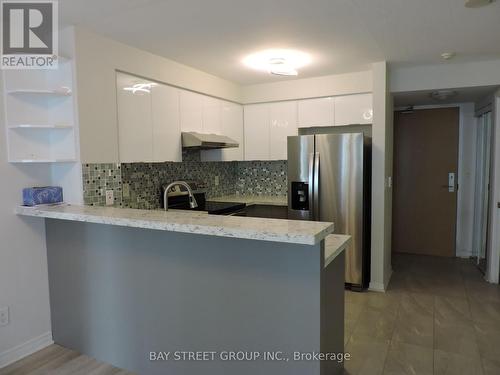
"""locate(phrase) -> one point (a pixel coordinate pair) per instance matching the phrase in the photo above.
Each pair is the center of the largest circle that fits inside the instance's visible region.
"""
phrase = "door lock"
(451, 182)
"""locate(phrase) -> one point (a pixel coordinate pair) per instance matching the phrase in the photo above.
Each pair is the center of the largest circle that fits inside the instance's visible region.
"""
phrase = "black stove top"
(223, 208)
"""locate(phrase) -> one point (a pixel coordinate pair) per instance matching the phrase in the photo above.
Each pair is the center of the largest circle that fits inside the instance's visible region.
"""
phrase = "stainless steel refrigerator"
(329, 178)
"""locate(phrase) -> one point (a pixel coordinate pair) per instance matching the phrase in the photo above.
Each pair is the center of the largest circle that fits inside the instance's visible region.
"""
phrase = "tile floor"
(438, 317)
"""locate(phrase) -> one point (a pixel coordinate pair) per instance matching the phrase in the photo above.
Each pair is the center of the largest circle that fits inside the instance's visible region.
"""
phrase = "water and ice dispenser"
(300, 196)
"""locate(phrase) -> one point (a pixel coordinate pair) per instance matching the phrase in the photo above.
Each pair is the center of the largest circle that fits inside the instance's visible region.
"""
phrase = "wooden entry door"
(424, 210)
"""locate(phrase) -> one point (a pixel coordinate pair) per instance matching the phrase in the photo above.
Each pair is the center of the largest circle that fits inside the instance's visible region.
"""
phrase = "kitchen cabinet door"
(211, 115)
(232, 127)
(167, 144)
(316, 112)
(256, 120)
(191, 111)
(135, 128)
(353, 109)
(282, 123)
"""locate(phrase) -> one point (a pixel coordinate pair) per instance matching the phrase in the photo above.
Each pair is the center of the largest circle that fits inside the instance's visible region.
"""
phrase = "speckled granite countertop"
(269, 200)
(334, 245)
(289, 231)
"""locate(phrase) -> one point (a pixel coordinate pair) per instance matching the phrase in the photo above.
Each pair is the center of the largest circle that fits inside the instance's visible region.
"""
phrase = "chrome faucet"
(192, 199)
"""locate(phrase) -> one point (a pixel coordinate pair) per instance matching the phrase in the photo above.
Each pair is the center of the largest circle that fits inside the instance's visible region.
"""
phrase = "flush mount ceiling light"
(141, 88)
(477, 3)
(443, 94)
(283, 62)
(448, 55)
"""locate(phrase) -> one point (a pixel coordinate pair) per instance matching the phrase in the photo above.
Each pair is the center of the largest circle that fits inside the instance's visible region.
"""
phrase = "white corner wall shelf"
(40, 126)
(40, 113)
(63, 91)
(43, 161)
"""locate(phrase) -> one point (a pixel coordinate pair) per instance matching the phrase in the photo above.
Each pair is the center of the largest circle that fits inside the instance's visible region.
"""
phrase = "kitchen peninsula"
(127, 282)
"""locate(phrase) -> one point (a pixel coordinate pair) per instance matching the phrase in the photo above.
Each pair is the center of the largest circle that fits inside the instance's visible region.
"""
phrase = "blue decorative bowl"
(42, 195)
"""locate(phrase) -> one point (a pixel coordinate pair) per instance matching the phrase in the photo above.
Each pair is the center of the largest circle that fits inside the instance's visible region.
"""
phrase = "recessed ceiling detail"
(477, 3)
(342, 35)
(281, 62)
(443, 94)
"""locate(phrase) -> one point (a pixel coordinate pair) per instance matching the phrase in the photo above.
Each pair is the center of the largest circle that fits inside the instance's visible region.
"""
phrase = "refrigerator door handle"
(311, 186)
(316, 187)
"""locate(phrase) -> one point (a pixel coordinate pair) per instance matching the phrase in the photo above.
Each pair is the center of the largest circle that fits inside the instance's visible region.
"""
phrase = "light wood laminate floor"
(56, 360)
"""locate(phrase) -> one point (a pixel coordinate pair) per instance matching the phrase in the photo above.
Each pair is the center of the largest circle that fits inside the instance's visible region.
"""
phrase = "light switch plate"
(389, 182)
(4, 316)
(110, 197)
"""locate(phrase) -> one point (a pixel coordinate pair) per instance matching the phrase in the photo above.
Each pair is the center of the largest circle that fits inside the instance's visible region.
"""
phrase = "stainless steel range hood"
(203, 141)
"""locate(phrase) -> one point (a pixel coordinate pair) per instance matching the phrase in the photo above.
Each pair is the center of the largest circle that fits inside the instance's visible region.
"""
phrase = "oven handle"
(237, 213)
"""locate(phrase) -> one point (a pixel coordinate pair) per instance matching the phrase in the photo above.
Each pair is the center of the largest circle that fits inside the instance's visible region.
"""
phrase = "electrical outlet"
(110, 197)
(4, 316)
(126, 190)
(216, 181)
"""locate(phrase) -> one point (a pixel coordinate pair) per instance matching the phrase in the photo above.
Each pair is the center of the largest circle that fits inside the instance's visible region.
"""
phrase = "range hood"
(204, 141)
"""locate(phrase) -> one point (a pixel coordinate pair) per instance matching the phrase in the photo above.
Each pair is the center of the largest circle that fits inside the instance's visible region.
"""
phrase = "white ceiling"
(341, 35)
(464, 95)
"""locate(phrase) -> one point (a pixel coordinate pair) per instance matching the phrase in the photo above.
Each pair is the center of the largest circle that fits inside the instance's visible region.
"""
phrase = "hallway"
(438, 317)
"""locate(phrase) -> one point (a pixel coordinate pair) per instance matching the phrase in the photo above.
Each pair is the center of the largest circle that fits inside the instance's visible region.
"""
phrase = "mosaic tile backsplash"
(145, 179)
(97, 178)
(138, 185)
(261, 178)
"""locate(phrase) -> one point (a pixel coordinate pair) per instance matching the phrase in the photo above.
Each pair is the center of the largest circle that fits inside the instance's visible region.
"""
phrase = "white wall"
(445, 75)
(466, 180)
(493, 256)
(381, 268)
(332, 85)
(97, 60)
(23, 263)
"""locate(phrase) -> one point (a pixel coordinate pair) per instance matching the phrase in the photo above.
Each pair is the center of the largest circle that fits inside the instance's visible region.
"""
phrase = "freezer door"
(340, 193)
(300, 176)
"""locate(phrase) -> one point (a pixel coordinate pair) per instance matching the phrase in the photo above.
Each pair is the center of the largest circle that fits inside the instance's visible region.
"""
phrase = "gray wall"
(117, 293)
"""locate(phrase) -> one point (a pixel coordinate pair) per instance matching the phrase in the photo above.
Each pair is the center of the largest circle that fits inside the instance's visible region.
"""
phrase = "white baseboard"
(25, 349)
(381, 287)
(463, 254)
(376, 287)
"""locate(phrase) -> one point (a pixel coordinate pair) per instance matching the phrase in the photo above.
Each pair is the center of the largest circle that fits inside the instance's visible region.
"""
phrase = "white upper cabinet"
(211, 115)
(256, 120)
(135, 128)
(353, 109)
(148, 122)
(267, 127)
(167, 144)
(316, 112)
(191, 111)
(232, 127)
(282, 123)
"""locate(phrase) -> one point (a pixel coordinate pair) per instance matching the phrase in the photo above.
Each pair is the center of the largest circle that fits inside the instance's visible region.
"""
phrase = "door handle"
(316, 186)
(451, 182)
(311, 186)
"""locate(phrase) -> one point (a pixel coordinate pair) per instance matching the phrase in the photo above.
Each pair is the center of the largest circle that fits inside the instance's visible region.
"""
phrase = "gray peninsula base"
(119, 293)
